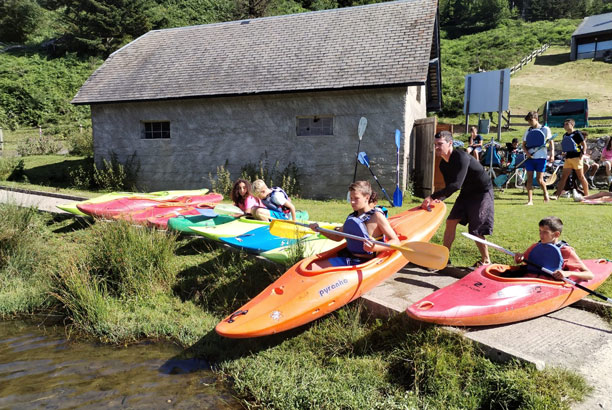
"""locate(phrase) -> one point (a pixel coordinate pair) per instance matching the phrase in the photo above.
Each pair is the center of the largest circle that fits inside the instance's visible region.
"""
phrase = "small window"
(156, 130)
(310, 126)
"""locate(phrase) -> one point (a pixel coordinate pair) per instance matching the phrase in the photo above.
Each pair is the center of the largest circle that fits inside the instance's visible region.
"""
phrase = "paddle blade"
(363, 159)
(398, 136)
(363, 123)
(227, 209)
(287, 229)
(426, 254)
(398, 197)
(210, 213)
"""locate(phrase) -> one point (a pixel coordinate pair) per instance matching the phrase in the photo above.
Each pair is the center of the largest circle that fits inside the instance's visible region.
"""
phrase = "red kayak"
(485, 297)
(158, 216)
(120, 206)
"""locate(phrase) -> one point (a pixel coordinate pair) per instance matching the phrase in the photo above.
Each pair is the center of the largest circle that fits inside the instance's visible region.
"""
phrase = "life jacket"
(535, 138)
(269, 202)
(356, 225)
(568, 144)
(547, 255)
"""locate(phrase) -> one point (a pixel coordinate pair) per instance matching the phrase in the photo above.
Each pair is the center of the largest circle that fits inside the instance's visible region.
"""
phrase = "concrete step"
(572, 337)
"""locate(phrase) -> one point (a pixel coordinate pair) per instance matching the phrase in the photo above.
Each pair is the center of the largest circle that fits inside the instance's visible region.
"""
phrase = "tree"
(99, 27)
(18, 18)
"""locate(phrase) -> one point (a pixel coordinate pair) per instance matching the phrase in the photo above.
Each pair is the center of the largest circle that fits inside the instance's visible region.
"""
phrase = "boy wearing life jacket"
(367, 221)
(554, 254)
(574, 146)
(275, 199)
(535, 140)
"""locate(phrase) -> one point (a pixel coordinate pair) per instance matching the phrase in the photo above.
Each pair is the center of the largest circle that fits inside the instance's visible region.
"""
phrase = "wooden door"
(423, 161)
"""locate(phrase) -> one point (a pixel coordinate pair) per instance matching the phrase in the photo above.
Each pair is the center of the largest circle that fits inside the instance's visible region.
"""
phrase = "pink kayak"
(120, 206)
(485, 297)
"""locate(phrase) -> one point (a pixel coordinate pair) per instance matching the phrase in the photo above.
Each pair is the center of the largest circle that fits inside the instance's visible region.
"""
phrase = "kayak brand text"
(333, 286)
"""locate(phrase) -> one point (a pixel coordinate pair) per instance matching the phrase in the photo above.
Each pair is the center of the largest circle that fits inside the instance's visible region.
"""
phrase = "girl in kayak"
(367, 221)
(243, 198)
(554, 254)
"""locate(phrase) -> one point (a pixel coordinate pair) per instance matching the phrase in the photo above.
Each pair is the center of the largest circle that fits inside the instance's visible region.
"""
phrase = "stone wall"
(206, 133)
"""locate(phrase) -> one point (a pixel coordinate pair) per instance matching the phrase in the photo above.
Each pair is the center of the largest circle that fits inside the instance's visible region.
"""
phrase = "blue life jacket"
(547, 255)
(535, 138)
(356, 225)
(568, 144)
(269, 202)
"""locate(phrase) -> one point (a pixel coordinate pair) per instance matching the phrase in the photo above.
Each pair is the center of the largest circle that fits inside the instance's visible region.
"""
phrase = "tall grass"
(24, 259)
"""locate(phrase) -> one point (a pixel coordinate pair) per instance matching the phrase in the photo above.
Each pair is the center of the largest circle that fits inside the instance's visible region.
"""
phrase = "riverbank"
(344, 360)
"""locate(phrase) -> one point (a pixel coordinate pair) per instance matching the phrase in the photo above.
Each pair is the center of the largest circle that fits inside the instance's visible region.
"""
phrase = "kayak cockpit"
(507, 273)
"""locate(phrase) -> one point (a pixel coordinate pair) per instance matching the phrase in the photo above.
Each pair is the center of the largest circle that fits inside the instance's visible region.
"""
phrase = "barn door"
(423, 161)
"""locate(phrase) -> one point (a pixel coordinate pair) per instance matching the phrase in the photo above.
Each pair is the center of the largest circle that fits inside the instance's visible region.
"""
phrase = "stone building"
(287, 88)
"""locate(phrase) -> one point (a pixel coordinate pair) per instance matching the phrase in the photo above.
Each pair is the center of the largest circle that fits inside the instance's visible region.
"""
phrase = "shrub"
(288, 178)
(113, 175)
(39, 145)
(81, 177)
(7, 166)
(81, 143)
(223, 183)
(18, 172)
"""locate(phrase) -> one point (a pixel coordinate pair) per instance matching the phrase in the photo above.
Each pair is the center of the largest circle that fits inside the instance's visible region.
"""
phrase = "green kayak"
(183, 223)
(309, 246)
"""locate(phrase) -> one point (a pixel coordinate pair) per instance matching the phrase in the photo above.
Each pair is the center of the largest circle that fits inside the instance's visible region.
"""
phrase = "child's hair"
(609, 144)
(364, 188)
(259, 186)
(515, 140)
(473, 128)
(235, 195)
(570, 120)
(555, 224)
(531, 115)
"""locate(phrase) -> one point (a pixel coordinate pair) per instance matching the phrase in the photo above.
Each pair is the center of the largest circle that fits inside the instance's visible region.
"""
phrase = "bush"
(288, 178)
(39, 145)
(115, 176)
(7, 166)
(81, 143)
(223, 183)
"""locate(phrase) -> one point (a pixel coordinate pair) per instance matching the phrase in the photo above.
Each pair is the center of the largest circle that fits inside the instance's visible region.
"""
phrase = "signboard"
(487, 92)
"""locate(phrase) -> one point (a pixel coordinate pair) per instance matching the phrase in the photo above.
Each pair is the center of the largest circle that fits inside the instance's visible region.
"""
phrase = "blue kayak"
(257, 240)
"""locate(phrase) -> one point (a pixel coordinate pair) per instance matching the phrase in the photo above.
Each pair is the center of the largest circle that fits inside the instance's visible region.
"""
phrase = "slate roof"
(594, 24)
(376, 45)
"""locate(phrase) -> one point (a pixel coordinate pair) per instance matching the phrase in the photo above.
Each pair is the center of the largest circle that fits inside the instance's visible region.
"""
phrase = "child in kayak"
(554, 254)
(275, 200)
(242, 196)
(367, 221)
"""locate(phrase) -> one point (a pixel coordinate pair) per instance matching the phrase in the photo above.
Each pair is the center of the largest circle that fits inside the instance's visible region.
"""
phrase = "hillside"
(553, 76)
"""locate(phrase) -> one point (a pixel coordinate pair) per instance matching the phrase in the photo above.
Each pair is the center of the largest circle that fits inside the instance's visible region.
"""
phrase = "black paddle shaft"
(579, 286)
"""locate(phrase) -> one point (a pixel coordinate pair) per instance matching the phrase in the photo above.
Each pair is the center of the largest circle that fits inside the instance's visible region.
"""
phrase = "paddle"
(543, 269)
(398, 197)
(424, 254)
(363, 123)
(501, 180)
(363, 158)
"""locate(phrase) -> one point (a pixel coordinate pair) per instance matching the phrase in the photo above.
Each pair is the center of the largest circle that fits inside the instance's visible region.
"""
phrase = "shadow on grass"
(226, 281)
(55, 175)
(69, 223)
(553, 59)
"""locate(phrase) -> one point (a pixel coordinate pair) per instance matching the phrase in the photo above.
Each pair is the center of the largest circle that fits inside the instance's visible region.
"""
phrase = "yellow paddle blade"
(292, 230)
(426, 254)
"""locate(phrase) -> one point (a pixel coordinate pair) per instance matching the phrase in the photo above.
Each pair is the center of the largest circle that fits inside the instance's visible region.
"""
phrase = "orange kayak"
(305, 293)
(485, 297)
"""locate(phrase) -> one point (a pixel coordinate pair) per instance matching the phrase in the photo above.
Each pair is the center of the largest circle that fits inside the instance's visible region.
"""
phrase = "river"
(41, 369)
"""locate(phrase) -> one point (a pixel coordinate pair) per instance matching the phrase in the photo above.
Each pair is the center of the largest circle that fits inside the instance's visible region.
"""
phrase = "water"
(40, 369)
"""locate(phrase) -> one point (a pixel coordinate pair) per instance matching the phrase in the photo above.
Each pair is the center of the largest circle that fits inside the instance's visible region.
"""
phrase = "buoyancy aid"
(535, 138)
(356, 225)
(568, 144)
(547, 255)
(271, 204)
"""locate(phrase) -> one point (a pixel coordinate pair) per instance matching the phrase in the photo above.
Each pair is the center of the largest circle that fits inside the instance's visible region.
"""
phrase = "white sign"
(487, 92)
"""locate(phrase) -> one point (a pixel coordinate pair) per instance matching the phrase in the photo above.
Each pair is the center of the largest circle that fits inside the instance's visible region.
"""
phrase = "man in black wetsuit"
(474, 205)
